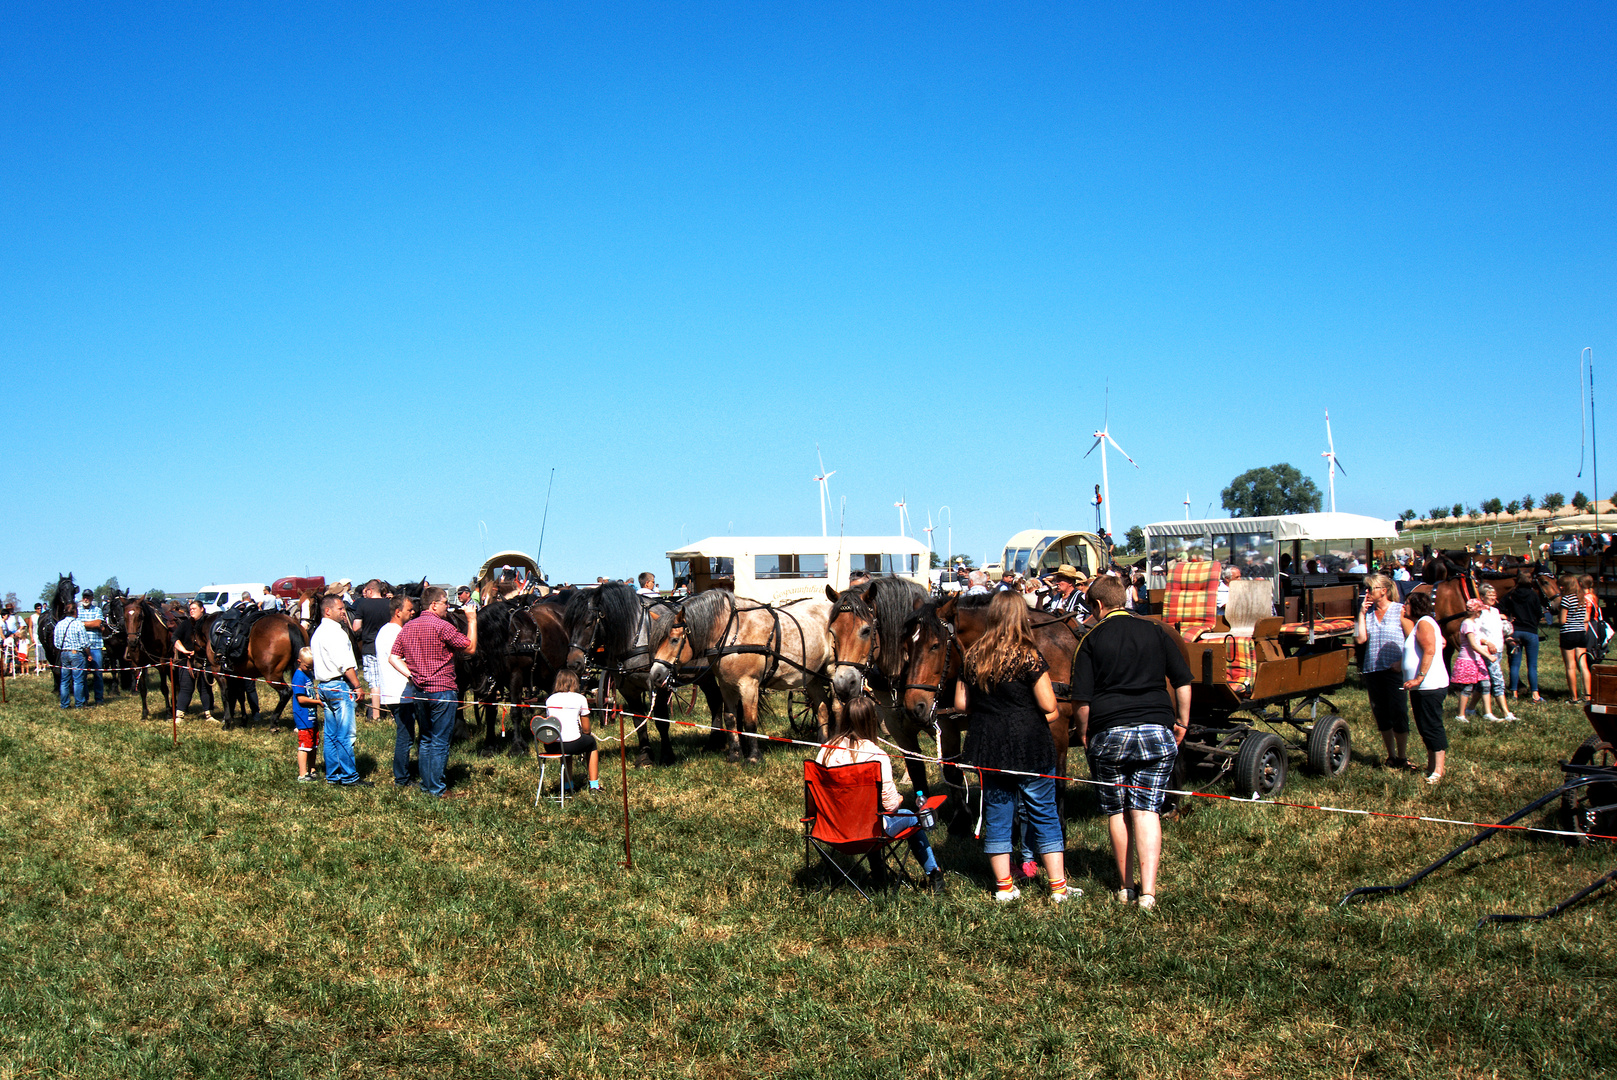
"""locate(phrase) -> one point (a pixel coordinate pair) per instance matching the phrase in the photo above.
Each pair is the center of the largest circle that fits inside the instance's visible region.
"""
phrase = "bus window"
(790, 566)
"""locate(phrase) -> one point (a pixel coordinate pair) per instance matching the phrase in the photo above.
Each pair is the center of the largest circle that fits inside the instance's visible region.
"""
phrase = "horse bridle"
(948, 641)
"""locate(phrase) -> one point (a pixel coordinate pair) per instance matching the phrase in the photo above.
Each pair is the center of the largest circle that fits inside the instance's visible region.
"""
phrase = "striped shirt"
(1572, 614)
(71, 636)
(1384, 639)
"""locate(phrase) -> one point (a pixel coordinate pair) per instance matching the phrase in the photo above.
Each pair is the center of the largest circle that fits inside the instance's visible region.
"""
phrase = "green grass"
(195, 912)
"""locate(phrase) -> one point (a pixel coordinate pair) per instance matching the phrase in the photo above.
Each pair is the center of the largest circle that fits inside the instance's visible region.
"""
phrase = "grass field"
(195, 912)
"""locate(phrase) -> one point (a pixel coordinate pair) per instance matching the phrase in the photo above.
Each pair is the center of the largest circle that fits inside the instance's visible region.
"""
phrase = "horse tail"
(294, 631)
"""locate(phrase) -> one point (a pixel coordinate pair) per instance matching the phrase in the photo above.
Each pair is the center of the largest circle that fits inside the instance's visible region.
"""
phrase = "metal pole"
(1594, 453)
(542, 523)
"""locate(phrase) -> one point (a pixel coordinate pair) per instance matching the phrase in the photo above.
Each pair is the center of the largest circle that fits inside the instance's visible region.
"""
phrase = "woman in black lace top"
(1010, 704)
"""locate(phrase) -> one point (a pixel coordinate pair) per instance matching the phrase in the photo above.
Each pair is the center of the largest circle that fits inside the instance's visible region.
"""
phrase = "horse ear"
(869, 595)
(655, 614)
(946, 609)
(831, 594)
(917, 604)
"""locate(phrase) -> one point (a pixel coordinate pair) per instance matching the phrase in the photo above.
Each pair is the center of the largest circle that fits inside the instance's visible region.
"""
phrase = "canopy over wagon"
(781, 568)
(1255, 544)
(506, 573)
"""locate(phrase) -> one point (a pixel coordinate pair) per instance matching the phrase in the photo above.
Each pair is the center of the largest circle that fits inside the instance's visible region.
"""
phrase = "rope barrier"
(608, 711)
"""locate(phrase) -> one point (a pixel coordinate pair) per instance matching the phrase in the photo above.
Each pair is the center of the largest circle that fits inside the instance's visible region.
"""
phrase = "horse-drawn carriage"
(1262, 664)
(506, 574)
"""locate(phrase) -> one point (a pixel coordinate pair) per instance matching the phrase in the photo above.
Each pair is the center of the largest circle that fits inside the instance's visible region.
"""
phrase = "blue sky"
(331, 286)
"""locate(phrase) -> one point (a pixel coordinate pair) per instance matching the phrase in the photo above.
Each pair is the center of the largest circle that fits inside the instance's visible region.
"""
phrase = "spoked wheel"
(800, 716)
(1592, 809)
(1330, 746)
(1260, 764)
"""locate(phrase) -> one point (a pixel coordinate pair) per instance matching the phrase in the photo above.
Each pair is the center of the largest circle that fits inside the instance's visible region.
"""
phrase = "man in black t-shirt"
(1131, 728)
(369, 614)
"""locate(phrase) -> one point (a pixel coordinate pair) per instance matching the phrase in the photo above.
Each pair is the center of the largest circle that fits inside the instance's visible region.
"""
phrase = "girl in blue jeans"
(1010, 705)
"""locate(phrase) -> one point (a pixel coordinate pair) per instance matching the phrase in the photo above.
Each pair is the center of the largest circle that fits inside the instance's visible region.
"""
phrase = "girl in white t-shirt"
(571, 712)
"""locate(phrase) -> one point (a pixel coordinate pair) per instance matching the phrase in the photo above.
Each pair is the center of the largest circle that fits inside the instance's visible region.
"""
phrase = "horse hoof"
(644, 760)
(668, 758)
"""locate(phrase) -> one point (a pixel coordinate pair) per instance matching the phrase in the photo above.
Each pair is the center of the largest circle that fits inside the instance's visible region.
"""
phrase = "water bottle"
(923, 816)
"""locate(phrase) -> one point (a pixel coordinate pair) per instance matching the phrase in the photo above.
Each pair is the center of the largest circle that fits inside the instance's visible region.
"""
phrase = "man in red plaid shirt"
(425, 653)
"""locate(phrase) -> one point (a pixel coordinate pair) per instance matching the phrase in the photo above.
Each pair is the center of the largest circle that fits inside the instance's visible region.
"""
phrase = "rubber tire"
(1330, 746)
(1594, 751)
(1260, 765)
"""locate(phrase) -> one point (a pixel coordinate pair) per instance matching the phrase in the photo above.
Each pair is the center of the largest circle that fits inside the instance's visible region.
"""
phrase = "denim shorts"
(1140, 758)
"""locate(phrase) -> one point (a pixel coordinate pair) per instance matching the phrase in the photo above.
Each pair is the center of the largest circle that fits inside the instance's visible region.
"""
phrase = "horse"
(617, 629)
(517, 648)
(1057, 638)
(149, 640)
(751, 647)
(63, 603)
(933, 658)
(115, 638)
(1449, 598)
(272, 648)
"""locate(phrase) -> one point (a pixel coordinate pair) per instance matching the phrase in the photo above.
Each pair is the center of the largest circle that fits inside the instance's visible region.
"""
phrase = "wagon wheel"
(800, 715)
(1171, 803)
(1593, 807)
(1260, 764)
(1330, 746)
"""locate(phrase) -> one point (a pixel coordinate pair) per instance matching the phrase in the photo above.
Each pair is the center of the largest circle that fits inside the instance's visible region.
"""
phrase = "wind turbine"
(1187, 506)
(929, 528)
(1330, 456)
(903, 515)
(821, 479)
(1102, 437)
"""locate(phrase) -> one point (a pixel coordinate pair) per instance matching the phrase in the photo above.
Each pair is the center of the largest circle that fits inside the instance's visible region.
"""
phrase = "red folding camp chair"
(842, 822)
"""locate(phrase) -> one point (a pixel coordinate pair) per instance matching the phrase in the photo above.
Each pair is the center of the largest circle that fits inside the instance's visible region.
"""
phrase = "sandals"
(1125, 896)
(1434, 777)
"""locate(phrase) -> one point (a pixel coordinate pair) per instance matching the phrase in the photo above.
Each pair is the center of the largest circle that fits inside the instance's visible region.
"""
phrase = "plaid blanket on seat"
(1321, 627)
(1240, 662)
(1190, 603)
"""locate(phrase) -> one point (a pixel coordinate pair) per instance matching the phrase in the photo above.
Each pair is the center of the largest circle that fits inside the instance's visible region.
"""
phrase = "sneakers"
(1147, 902)
(1005, 896)
(936, 882)
(1502, 719)
(1071, 892)
(308, 778)
(1125, 896)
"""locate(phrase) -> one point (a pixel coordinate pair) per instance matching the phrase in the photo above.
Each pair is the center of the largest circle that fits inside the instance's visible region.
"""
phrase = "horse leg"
(637, 704)
(661, 708)
(717, 740)
(145, 713)
(751, 691)
(732, 724)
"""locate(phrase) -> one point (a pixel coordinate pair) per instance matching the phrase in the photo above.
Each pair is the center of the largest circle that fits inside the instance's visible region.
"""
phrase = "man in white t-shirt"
(390, 684)
(648, 585)
(337, 678)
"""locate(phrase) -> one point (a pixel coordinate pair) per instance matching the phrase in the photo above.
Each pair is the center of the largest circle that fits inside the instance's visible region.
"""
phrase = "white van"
(218, 597)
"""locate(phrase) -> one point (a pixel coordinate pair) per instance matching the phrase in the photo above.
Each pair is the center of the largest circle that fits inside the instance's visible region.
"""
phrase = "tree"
(48, 593)
(1408, 515)
(1513, 507)
(1528, 502)
(1457, 511)
(1554, 501)
(1472, 512)
(935, 561)
(156, 596)
(106, 589)
(964, 560)
(11, 600)
(1580, 500)
(1438, 512)
(1274, 489)
(1493, 506)
(1136, 539)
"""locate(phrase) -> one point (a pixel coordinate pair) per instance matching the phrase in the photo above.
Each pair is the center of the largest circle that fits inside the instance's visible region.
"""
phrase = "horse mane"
(703, 610)
(493, 628)
(973, 602)
(850, 602)
(895, 600)
(619, 606)
(924, 616)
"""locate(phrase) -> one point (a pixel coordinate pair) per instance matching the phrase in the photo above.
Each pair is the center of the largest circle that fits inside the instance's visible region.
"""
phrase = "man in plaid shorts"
(1131, 728)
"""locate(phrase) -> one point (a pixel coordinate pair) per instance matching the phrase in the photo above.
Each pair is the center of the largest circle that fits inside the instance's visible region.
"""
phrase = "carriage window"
(790, 566)
(682, 568)
(1077, 556)
(1017, 559)
(723, 566)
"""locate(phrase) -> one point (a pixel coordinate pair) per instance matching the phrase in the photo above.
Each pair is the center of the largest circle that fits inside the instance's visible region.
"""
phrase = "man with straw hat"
(1065, 596)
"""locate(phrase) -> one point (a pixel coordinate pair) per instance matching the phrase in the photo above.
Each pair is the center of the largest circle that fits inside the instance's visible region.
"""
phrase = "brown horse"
(149, 642)
(751, 647)
(1449, 598)
(1057, 638)
(272, 650)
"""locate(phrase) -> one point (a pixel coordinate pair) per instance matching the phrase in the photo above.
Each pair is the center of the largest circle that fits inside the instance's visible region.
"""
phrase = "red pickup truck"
(289, 588)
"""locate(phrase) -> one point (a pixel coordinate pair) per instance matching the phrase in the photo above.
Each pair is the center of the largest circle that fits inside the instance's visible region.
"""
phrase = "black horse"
(63, 604)
(614, 629)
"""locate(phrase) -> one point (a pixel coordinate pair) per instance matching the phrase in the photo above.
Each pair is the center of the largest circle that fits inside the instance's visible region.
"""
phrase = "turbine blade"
(1338, 463)
(1122, 451)
(1096, 443)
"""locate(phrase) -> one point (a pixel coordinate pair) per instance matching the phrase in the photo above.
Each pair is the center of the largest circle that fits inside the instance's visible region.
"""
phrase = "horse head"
(854, 641)
(929, 650)
(134, 620)
(673, 652)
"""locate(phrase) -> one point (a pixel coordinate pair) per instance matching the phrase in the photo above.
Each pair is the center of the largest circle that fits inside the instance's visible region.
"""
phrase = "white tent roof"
(1286, 527)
